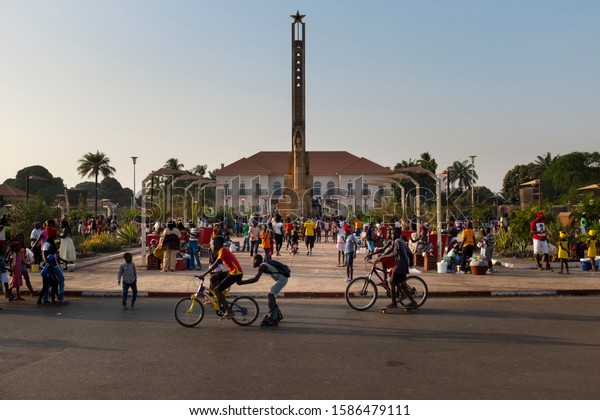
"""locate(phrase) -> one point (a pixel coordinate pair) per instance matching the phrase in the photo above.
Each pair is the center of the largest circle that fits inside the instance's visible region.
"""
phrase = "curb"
(324, 295)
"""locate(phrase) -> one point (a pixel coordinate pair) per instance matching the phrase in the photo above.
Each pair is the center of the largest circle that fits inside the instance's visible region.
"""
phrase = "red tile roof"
(320, 163)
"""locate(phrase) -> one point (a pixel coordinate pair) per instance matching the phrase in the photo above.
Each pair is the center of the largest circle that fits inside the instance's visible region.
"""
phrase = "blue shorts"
(349, 259)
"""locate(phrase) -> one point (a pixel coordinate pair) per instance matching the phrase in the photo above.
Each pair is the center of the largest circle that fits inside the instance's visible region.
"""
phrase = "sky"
(209, 82)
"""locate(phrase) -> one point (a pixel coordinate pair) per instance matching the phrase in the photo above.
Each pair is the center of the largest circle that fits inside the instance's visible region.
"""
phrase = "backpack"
(281, 268)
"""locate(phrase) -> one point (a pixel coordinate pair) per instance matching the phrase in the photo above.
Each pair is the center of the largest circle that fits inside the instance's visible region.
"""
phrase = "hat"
(592, 232)
(565, 235)
(540, 215)
(347, 228)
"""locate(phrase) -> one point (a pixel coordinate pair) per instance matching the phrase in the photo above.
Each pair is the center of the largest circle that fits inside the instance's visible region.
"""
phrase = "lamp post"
(438, 204)
(134, 159)
(472, 180)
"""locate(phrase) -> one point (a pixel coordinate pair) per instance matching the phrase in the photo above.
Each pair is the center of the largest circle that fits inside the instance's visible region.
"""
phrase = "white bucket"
(442, 267)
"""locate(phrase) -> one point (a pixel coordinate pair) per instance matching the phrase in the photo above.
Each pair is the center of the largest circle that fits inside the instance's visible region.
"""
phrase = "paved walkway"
(318, 275)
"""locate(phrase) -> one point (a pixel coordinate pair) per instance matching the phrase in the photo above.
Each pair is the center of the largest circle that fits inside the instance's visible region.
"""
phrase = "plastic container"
(442, 267)
(586, 264)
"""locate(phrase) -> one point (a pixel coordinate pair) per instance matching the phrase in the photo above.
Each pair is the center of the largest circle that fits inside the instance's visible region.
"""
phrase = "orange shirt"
(265, 236)
(230, 261)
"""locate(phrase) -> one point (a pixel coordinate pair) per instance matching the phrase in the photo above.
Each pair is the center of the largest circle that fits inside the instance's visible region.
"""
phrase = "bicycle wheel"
(188, 312)
(417, 288)
(361, 293)
(245, 310)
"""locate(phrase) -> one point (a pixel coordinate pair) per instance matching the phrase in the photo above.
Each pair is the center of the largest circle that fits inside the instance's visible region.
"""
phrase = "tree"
(405, 164)
(541, 164)
(513, 180)
(113, 190)
(199, 170)
(93, 164)
(24, 214)
(41, 183)
(569, 172)
(173, 163)
(427, 162)
(462, 173)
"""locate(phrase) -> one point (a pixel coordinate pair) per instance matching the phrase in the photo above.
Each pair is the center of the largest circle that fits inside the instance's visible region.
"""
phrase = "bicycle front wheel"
(361, 293)
(189, 312)
(245, 310)
(417, 289)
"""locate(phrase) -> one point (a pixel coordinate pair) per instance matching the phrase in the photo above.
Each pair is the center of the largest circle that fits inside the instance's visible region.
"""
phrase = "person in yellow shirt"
(563, 251)
(468, 246)
(591, 242)
(308, 233)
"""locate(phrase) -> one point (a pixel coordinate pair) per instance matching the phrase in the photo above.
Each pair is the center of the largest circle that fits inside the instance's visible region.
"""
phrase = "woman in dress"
(67, 247)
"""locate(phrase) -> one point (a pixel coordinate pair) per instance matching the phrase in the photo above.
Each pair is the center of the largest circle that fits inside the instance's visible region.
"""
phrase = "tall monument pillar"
(298, 174)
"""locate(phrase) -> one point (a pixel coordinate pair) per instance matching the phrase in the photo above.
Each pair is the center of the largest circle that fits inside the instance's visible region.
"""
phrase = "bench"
(427, 262)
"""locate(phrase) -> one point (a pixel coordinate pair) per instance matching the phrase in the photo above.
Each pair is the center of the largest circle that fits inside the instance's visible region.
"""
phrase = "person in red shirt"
(226, 257)
(540, 241)
(289, 228)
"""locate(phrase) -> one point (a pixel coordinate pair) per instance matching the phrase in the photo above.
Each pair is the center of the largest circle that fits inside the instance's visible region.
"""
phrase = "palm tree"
(463, 174)
(405, 164)
(93, 164)
(199, 170)
(173, 163)
(427, 162)
(542, 163)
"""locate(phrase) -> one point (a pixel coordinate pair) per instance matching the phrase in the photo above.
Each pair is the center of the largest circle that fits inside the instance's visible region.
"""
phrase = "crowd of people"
(47, 251)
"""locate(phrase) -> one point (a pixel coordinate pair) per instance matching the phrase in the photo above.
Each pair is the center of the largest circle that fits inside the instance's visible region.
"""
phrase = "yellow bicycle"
(189, 311)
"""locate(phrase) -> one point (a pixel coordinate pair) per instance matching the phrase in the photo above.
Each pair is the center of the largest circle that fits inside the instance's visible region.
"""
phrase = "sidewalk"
(318, 276)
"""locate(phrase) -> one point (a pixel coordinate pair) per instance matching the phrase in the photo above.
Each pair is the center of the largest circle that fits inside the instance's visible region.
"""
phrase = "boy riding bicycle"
(403, 256)
(226, 257)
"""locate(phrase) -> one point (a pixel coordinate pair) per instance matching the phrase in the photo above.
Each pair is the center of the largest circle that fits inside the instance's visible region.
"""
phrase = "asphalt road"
(452, 348)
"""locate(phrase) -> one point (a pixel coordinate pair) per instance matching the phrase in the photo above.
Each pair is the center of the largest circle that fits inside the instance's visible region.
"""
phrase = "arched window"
(330, 188)
(277, 189)
(317, 188)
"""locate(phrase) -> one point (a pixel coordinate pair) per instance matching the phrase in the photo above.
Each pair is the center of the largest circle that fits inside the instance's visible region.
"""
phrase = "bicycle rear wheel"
(417, 288)
(361, 293)
(245, 310)
(189, 312)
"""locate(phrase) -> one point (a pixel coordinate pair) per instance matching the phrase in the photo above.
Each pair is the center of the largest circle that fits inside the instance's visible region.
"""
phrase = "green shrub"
(100, 244)
(129, 234)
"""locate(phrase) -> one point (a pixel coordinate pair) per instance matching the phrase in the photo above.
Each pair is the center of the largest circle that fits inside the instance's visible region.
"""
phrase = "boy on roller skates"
(280, 273)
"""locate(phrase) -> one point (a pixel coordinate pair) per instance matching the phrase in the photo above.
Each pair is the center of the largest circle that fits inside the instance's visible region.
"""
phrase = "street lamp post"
(134, 159)
(472, 180)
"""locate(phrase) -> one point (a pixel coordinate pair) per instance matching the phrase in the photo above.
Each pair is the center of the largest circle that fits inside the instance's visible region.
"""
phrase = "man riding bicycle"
(224, 256)
(404, 258)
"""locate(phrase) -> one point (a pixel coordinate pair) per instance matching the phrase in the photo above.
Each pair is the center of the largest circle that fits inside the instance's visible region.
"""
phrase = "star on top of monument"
(297, 17)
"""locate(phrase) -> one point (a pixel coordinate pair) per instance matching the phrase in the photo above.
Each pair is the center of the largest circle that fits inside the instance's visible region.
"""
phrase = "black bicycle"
(362, 293)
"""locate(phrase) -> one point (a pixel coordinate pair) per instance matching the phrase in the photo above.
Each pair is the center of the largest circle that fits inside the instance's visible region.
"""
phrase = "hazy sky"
(208, 82)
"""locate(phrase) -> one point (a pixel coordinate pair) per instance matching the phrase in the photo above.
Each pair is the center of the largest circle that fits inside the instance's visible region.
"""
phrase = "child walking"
(591, 242)
(563, 251)
(49, 281)
(16, 280)
(128, 274)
